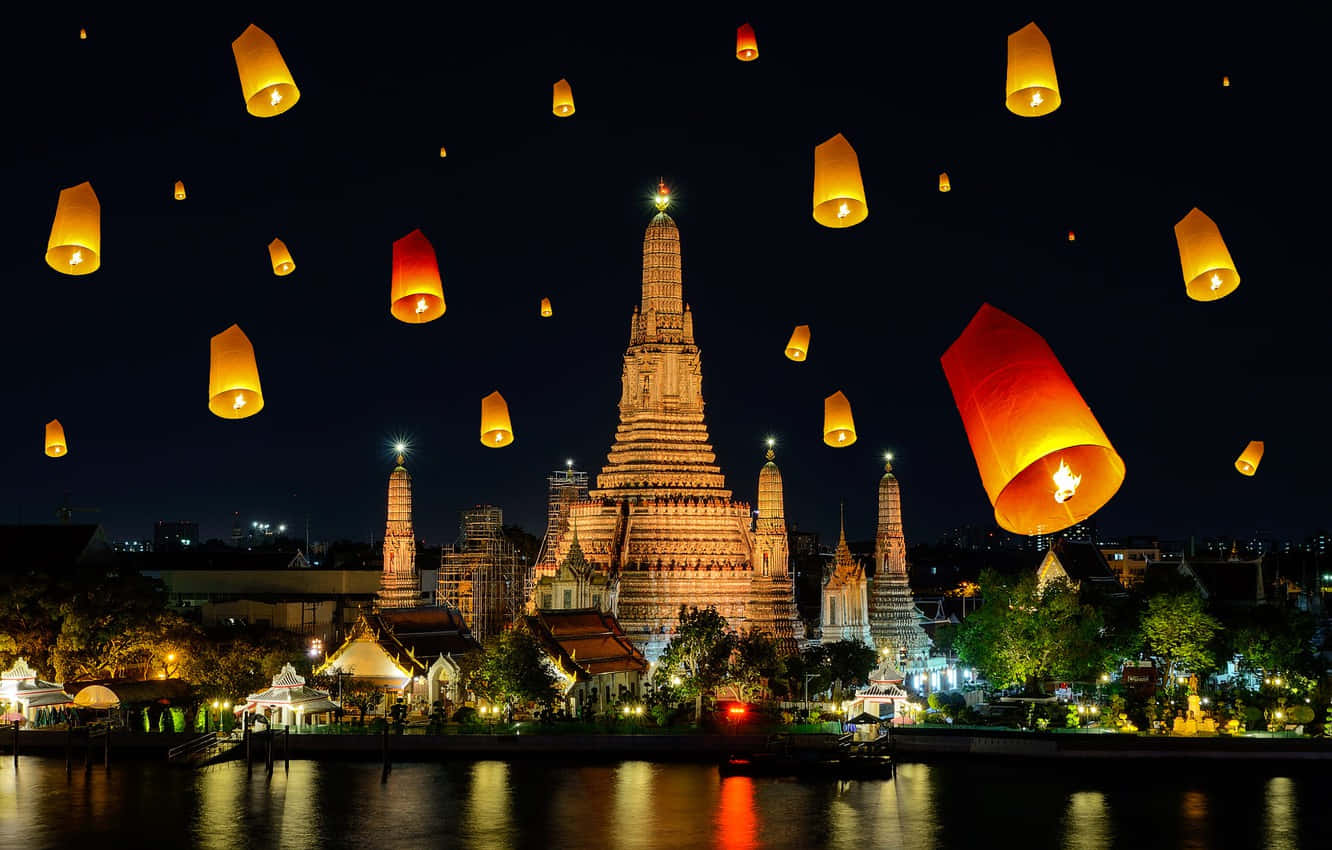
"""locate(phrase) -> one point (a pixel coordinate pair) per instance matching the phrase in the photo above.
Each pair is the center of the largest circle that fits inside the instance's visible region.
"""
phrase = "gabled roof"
(1082, 564)
(409, 638)
(1238, 582)
(585, 642)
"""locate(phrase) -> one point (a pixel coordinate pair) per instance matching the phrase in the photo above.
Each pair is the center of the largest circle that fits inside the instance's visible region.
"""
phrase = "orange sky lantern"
(797, 347)
(266, 83)
(1031, 88)
(1247, 462)
(546, 312)
(75, 244)
(944, 184)
(278, 254)
(839, 194)
(1209, 272)
(563, 104)
(496, 428)
(1044, 460)
(839, 428)
(746, 43)
(233, 376)
(180, 190)
(55, 439)
(417, 292)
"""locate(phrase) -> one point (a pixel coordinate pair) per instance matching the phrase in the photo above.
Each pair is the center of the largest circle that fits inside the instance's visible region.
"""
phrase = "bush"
(1301, 714)
(465, 715)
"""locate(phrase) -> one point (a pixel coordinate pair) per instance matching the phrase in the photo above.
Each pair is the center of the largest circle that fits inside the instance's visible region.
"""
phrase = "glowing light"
(1216, 282)
(274, 98)
(238, 402)
(843, 211)
(675, 680)
(569, 463)
(499, 437)
(736, 710)
(1066, 483)
(887, 455)
(76, 258)
(841, 436)
(399, 447)
(171, 656)
(1036, 99)
(421, 306)
(771, 442)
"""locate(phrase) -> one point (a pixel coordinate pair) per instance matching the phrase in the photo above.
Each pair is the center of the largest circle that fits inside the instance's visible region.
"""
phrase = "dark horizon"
(527, 205)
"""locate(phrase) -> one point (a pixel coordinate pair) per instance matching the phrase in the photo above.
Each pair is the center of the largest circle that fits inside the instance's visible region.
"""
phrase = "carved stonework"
(400, 584)
(893, 618)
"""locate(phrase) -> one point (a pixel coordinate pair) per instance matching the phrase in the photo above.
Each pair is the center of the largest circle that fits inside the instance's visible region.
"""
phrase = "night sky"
(527, 205)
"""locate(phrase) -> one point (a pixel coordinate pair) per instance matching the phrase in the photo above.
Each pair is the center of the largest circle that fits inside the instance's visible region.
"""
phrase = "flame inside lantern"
(274, 98)
(1066, 483)
(843, 211)
(239, 401)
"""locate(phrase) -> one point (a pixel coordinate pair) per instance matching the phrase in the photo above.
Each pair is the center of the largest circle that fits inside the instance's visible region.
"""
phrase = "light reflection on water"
(631, 805)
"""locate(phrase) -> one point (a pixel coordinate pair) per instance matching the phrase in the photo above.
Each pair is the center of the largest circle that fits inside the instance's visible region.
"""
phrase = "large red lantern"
(1044, 461)
(417, 293)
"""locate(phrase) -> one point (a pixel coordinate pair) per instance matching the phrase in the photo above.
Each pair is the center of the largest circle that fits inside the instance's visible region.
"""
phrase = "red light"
(736, 709)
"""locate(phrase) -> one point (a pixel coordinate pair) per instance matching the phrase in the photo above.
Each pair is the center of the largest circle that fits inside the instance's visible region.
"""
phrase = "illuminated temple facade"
(400, 584)
(894, 620)
(661, 521)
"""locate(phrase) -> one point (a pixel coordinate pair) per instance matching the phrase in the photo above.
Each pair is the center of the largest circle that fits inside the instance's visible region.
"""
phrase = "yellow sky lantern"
(1247, 462)
(283, 264)
(233, 376)
(546, 312)
(1044, 460)
(1209, 273)
(1225, 82)
(266, 84)
(180, 190)
(1032, 88)
(1072, 237)
(563, 105)
(746, 43)
(442, 153)
(55, 439)
(75, 245)
(496, 429)
(839, 428)
(839, 195)
(417, 293)
(944, 184)
(797, 347)
(83, 34)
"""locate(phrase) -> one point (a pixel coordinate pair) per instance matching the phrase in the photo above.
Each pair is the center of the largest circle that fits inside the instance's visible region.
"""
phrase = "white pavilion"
(884, 697)
(295, 704)
(26, 694)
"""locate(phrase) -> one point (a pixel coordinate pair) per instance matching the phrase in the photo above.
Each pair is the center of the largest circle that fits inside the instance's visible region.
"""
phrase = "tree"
(698, 654)
(1272, 639)
(1177, 630)
(111, 624)
(753, 662)
(514, 669)
(28, 621)
(848, 663)
(1025, 633)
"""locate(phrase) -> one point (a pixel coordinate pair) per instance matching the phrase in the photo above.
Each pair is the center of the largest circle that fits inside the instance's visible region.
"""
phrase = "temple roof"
(409, 639)
(289, 689)
(585, 642)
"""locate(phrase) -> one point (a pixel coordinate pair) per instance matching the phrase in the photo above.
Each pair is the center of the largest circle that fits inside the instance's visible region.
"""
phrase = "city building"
(483, 575)
(661, 518)
(400, 586)
(598, 666)
(894, 618)
(846, 597)
(1129, 563)
(175, 536)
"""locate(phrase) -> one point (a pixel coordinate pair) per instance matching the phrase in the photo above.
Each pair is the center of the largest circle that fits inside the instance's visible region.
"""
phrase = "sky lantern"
(546, 312)
(55, 440)
(233, 376)
(442, 152)
(1209, 273)
(496, 429)
(563, 105)
(839, 196)
(746, 43)
(283, 264)
(180, 190)
(944, 184)
(1032, 89)
(1072, 237)
(266, 84)
(797, 347)
(1225, 82)
(1044, 461)
(417, 293)
(83, 34)
(75, 246)
(839, 429)
(1246, 463)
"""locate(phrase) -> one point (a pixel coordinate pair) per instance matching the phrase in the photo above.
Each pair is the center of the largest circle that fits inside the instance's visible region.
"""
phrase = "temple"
(894, 620)
(846, 598)
(400, 585)
(661, 521)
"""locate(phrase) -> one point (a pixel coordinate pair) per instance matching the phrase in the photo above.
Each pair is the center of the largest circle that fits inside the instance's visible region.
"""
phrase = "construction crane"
(65, 513)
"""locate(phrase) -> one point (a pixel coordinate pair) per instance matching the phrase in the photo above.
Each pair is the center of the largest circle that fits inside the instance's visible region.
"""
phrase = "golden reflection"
(1087, 821)
(634, 803)
(1281, 814)
(736, 820)
(486, 816)
(219, 794)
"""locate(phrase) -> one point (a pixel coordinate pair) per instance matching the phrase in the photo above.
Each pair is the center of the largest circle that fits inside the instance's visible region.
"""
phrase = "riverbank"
(930, 742)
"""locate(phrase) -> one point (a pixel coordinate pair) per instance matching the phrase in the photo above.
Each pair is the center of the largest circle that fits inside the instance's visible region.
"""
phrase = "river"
(629, 805)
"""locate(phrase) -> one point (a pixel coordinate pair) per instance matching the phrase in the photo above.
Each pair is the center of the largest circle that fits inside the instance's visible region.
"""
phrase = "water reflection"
(635, 803)
(1281, 811)
(736, 820)
(486, 812)
(1087, 821)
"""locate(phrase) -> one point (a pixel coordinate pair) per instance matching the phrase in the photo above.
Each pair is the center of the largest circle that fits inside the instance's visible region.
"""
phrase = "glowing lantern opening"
(266, 84)
(1032, 88)
(283, 264)
(546, 312)
(1043, 459)
(417, 292)
(55, 439)
(839, 195)
(75, 245)
(1209, 273)
(944, 184)
(797, 347)
(233, 376)
(746, 43)
(180, 190)
(1247, 462)
(496, 429)
(839, 428)
(563, 105)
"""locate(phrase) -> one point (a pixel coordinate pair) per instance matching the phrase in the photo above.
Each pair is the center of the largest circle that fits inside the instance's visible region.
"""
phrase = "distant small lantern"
(746, 43)
(266, 84)
(1032, 88)
(944, 184)
(1043, 459)
(1225, 82)
(1072, 237)
(233, 376)
(563, 105)
(1246, 463)
(75, 245)
(55, 439)
(180, 190)
(83, 34)
(496, 429)
(417, 292)
(1209, 273)
(442, 153)
(546, 312)
(839, 428)
(797, 347)
(283, 264)
(839, 195)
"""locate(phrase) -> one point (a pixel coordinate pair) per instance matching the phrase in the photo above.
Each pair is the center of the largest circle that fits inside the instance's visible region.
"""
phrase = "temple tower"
(893, 618)
(772, 589)
(400, 584)
(846, 597)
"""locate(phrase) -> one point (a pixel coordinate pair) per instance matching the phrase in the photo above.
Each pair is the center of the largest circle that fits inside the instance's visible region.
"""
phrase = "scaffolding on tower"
(482, 573)
(563, 488)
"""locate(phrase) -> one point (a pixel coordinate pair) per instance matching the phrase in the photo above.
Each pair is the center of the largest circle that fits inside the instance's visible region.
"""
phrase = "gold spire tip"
(663, 198)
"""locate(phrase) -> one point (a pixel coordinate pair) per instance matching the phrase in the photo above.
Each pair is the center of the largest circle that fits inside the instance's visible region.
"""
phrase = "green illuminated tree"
(753, 662)
(1178, 630)
(514, 670)
(699, 654)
